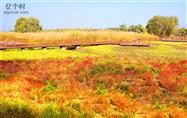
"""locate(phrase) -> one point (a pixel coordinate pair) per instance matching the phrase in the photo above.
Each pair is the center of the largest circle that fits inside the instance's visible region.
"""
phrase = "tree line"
(162, 26)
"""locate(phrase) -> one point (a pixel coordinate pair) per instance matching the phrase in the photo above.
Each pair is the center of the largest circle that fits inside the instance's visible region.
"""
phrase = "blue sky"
(92, 14)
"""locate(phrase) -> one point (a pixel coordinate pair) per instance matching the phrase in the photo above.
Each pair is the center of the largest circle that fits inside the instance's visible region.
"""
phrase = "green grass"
(157, 49)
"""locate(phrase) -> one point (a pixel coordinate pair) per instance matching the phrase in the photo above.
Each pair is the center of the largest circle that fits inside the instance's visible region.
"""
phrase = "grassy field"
(95, 82)
(74, 36)
(157, 49)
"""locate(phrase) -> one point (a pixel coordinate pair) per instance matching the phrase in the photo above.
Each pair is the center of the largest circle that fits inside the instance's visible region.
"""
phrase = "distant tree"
(181, 32)
(123, 27)
(162, 26)
(137, 28)
(33, 25)
(21, 25)
(27, 25)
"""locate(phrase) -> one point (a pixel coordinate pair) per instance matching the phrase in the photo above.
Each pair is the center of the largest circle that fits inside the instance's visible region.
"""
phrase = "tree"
(181, 32)
(27, 25)
(137, 28)
(123, 27)
(33, 25)
(21, 25)
(162, 26)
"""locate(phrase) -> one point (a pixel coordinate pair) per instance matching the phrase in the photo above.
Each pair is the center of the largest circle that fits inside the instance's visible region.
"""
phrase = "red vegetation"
(100, 86)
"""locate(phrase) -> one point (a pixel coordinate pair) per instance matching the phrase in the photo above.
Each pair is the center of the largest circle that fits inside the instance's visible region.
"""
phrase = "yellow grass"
(75, 36)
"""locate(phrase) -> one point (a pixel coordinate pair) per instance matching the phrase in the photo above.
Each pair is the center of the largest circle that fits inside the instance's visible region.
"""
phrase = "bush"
(123, 27)
(137, 28)
(3, 75)
(74, 108)
(52, 82)
(112, 67)
(181, 32)
(49, 88)
(53, 111)
(15, 109)
(160, 106)
(101, 91)
(146, 68)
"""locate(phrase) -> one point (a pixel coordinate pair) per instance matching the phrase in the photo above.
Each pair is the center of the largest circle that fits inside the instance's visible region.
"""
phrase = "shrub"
(49, 88)
(146, 68)
(131, 67)
(15, 109)
(160, 106)
(112, 67)
(181, 32)
(100, 83)
(137, 28)
(74, 108)
(53, 111)
(123, 27)
(3, 75)
(101, 91)
(52, 82)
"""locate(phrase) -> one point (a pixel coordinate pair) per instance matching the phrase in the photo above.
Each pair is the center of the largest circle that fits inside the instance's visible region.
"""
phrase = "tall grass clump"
(15, 109)
(53, 111)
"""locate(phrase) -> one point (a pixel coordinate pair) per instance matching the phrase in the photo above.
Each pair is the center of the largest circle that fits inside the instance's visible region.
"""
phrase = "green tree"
(162, 26)
(33, 25)
(27, 25)
(181, 32)
(123, 27)
(137, 28)
(21, 25)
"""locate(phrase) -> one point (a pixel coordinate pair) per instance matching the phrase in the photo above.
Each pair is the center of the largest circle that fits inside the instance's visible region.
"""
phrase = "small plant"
(160, 106)
(49, 88)
(136, 95)
(53, 111)
(74, 108)
(15, 109)
(52, 82)
(111, 67)
(100, 84)
(81, 79)
(3, 75)
(131, 67)
(101, 91)
(146, 68)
